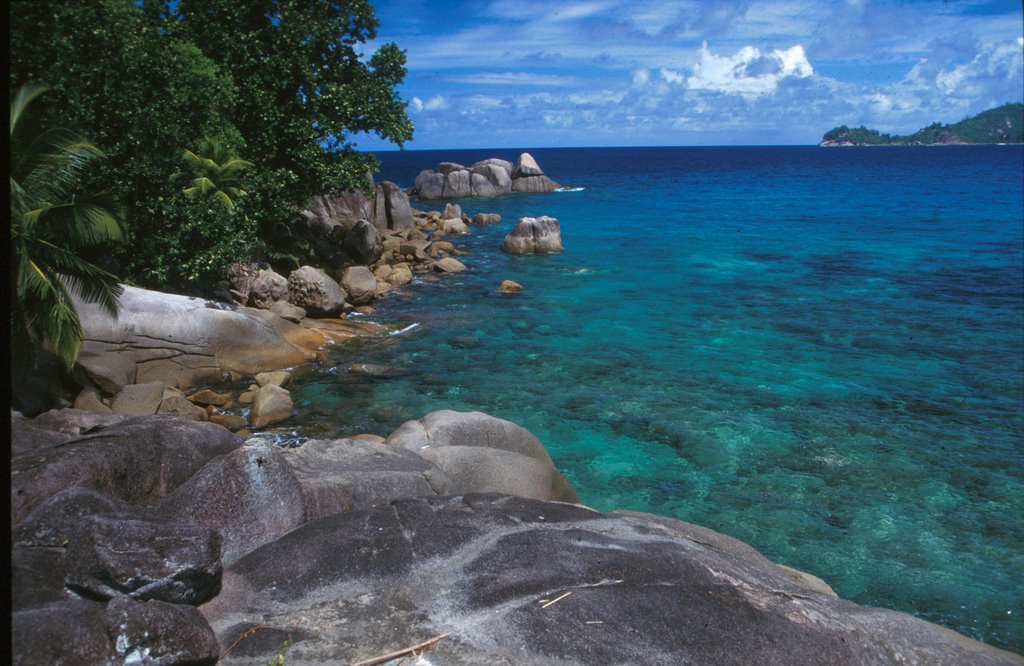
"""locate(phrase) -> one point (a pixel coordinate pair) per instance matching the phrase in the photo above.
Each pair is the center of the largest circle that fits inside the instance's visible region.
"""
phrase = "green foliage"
(213, 170)
(1004, 124)
(279, 658)
(53, 223)
(281, 82)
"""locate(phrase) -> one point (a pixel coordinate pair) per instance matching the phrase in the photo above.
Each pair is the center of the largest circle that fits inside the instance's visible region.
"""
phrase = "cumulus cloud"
(416, 105)
(436, 103)
(748, 72)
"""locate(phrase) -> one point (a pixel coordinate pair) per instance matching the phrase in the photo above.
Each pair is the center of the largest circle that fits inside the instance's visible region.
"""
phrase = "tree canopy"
(281, 84)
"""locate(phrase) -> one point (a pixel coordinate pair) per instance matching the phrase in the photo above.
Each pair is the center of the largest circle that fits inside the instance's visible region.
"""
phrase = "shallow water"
(817, 351)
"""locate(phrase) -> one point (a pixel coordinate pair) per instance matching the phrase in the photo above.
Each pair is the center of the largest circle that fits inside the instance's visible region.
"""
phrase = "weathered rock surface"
(483, 219)
(271, 404)
(534, 235)
(138, 399)
(315, 292)
(250, 496)
(187, 342)
(347, 474)
(483, 454)
(144, 559)
(182, 407)
(487, 178)
(510, 287)
(268, 288)
(449, 265)
(493, 572)
(138, 460)
(392, 208)
(360, 284)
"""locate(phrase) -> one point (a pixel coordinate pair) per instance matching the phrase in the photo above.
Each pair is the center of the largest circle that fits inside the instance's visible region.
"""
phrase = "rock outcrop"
(487, 178)
(190, 546)
(534, 235)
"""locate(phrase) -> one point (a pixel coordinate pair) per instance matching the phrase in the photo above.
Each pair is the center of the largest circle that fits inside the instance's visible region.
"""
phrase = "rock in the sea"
(452, 211)
(517, 581)
(400, 275)
(453, 226)
(483, 219)
(278, 378)
(429, 185)
(490, 180)
(138, 399)
(510, 287)
(526, 166)
(360, 284)
(315, 292)
(449, 265)
(534, 235)
(484, 454)
(271, 404)
(487, 178)
(268, 288)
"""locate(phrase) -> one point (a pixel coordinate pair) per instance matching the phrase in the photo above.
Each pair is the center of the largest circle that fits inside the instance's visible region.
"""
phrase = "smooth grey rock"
(286, 310)
(90, 399)
(138, 460)
(144, 559)
(534, 235)
(182, 407)
(138, 399)
(493, 572)
(315, 292)
(453, 226)
(268, 288)
(393, 203)
(456, 185)
(249, 495)
(501, 164)
(183, 341)
(492, 438)
(452, 210)
(271, 404)
(449, 265)
(360, 284)
(73, 421)
(490, 181)
(278, 378)
(534, 185)
(483, 219)
(362, 243)
(346, 475)
(429, 185)
(109, 372)
(526, 166)
(449, 167)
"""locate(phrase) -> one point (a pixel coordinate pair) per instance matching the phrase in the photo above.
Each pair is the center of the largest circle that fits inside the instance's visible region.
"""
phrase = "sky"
(575, 73)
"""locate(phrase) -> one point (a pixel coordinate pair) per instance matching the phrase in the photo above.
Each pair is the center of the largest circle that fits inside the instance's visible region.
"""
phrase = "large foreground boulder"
(483, 453)
(514, 581)
(315, 292)
(534, 235)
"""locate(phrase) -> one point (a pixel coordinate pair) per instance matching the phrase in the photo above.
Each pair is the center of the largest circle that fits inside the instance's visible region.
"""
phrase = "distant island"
(1004, 124)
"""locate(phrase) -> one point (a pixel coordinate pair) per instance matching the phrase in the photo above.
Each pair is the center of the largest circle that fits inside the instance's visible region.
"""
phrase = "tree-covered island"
(1004, 124)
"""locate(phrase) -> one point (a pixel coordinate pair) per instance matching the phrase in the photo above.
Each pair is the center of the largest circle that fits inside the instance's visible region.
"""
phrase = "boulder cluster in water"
(487, 178)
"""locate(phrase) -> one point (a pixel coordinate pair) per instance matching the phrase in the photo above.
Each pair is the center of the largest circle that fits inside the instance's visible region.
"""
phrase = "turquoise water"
(816, 351)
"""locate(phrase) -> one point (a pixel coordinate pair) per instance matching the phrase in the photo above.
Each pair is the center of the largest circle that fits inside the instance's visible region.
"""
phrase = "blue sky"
(546, 73)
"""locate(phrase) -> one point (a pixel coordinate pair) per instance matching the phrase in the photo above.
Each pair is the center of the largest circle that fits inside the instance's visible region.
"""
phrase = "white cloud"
(748, 73)
(513, 79)
(436, 103)
(416, 104)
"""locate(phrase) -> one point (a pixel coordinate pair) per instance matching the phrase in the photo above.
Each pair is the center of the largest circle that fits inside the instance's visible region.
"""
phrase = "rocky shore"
(148, 527)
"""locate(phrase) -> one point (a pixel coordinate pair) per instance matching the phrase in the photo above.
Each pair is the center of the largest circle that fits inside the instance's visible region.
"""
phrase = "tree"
(215, 170)
(52, 221)
(303, 87)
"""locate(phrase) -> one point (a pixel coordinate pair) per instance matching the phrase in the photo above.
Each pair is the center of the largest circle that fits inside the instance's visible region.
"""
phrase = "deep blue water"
(817, 351)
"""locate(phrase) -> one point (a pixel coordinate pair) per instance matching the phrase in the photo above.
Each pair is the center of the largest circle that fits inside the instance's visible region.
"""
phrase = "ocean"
(817, 351)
